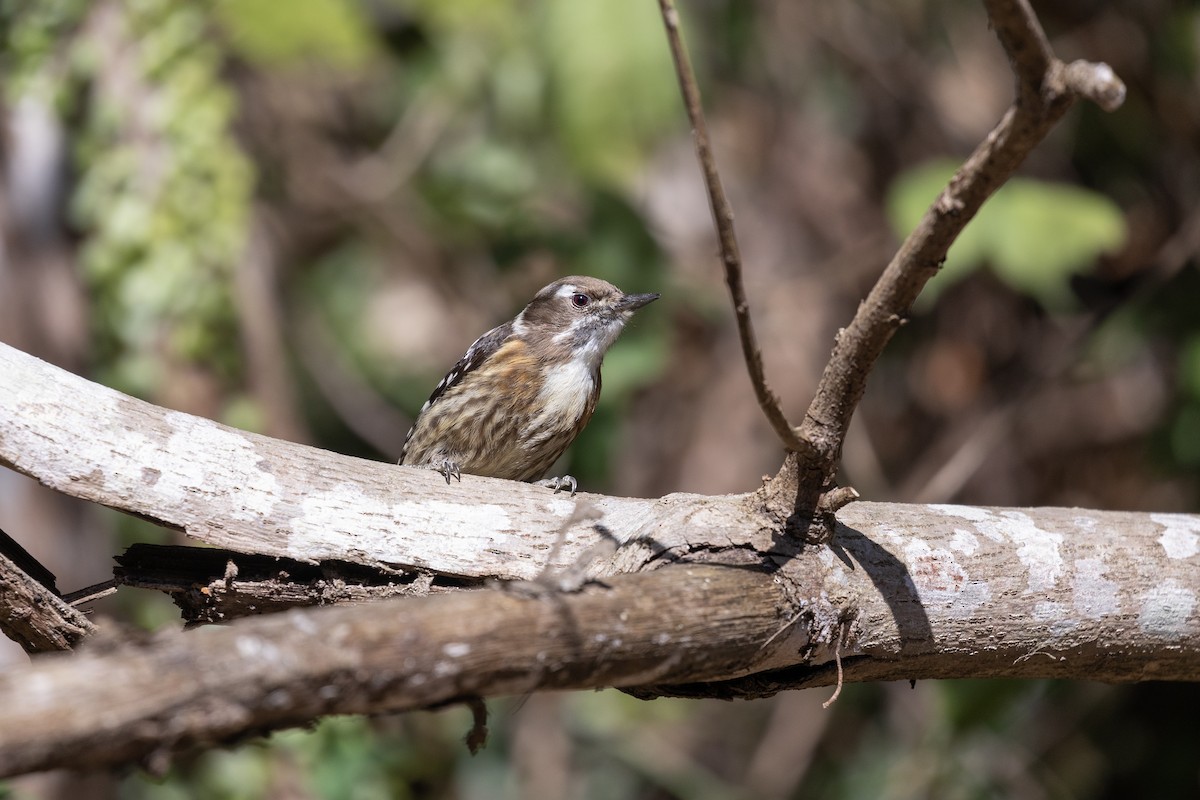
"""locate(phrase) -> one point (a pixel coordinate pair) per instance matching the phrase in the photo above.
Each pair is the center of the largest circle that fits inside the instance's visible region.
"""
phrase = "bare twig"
(90, 594)
(1096, 82)
(837, 657)
(23, 560)
(476, 738)
(1024, 43)
(722, 213)
(1046, 88)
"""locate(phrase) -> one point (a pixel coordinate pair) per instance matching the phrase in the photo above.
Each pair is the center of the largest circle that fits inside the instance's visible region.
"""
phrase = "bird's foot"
(558, 484)
(448, 468)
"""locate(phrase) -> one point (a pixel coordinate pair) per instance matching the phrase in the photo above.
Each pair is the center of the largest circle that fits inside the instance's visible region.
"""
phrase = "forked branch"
(1046, 88)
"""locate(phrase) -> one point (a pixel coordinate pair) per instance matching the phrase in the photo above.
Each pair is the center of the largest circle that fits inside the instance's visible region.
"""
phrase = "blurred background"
(294, 217)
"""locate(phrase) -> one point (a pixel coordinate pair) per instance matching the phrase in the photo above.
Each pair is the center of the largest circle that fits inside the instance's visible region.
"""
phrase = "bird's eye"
(579, 299)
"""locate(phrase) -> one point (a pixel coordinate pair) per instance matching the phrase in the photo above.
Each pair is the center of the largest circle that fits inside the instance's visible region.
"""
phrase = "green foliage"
(163, 189)
(1184, 430)
(483, 186)
(1189, 366)
(279, 34)
(1034, 235)
(164, 194)
(595, 76)
(614, 88)
(1175, 48)
(1162, 322)
(340, 758)
(33, 33)
(1185, 436)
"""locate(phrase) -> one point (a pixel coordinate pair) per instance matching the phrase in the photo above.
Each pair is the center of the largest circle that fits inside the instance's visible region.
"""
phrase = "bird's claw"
(560, 483)
(449, 468)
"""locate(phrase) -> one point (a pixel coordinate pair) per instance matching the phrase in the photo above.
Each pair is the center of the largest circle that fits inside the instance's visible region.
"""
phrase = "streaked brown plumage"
(525, 389)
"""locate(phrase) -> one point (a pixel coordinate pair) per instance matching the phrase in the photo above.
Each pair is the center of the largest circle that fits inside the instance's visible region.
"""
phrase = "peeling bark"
(33, 616)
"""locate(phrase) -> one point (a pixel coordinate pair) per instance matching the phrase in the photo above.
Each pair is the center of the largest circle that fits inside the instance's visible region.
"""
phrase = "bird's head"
(580, 315)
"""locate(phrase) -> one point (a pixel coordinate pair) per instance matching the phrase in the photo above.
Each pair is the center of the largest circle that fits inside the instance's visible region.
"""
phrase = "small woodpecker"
(525, 389)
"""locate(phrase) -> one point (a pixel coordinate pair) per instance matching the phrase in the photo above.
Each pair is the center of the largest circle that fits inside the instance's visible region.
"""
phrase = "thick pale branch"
(910, 592)
(252, 494)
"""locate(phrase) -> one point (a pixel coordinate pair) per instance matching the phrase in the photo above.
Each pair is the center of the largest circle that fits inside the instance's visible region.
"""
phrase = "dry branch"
(213, 585)
(911, 593)
(1046, 88)
(35, 617)
(220, 683)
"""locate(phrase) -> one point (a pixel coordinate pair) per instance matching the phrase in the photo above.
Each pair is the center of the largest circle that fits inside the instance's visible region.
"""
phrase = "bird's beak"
(632, 302)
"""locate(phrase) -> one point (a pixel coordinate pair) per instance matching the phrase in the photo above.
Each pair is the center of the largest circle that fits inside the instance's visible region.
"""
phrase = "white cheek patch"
(592, 351)
(569, 331)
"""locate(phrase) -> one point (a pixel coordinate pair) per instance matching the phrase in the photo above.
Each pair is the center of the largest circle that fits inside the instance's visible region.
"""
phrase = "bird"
(525, 389)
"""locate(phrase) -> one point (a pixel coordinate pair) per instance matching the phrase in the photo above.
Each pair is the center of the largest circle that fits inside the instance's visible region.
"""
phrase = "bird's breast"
(567, 393)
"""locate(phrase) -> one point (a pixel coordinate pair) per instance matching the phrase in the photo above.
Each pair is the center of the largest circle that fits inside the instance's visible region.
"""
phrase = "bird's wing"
(476, 355)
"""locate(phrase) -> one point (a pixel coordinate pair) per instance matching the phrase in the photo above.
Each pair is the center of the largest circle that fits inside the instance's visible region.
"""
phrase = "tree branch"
(213, 585)
(738, 608)
(223, 682)
(722, 212)
(252, 494)
(908, 592)
(920, 591)
(1045, 90)
(32, 614)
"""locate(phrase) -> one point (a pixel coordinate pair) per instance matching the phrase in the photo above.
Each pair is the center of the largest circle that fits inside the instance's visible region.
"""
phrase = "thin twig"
(90, 594)
(25, 562)
(837, 657)
(476, 738)
(722, 213)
